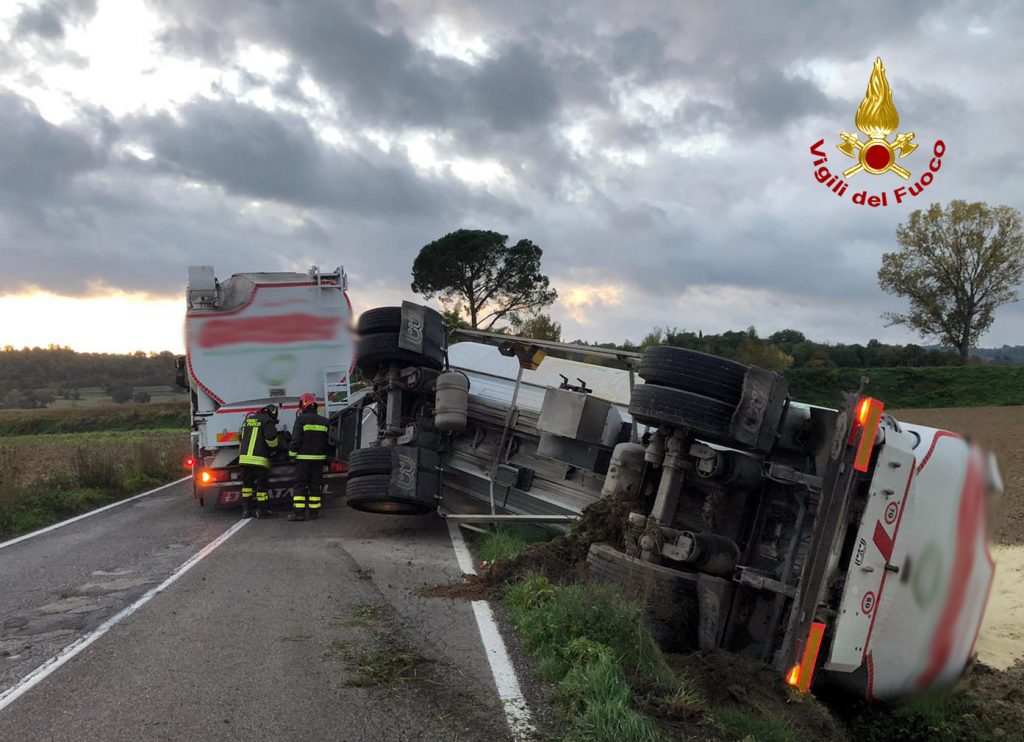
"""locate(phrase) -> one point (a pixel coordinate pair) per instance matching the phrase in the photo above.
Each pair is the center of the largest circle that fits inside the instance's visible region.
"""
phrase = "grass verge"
(506, 542)
(47, 478)
(593, 646)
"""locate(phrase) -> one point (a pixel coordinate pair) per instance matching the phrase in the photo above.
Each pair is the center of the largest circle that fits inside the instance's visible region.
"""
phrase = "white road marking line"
(69, 521)
(517, 713)
(35, 677)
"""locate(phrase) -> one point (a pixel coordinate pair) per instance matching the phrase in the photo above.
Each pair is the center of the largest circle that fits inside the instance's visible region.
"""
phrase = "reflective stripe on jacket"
(258, 439)
(309, 438)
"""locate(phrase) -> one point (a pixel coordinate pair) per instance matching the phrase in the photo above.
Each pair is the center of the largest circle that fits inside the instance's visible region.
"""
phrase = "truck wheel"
(369, 461)
(389, 319)
(668, 595)
(374, 350)
(693, 371)
(661, 405)
(376, 493)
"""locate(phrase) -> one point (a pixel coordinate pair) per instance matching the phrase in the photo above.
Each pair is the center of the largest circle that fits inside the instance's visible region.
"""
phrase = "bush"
(141, 397)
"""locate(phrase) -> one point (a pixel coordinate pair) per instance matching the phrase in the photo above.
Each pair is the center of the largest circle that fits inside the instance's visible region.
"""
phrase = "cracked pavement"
(243, 646)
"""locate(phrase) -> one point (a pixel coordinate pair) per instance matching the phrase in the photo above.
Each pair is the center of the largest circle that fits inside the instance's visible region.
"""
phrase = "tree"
(956, 266)
(478, 269)
(757, 352)
(539, 327)
(121, 394)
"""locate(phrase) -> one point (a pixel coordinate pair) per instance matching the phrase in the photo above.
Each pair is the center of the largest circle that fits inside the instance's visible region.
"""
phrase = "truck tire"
(375, 493)
(662, 405)
(389, 319)
(369, 461)
(374, 350)
(668, 595)
(693, 371)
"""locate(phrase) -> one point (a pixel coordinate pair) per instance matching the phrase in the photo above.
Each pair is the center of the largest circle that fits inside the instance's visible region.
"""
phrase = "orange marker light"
(205, 477)
(869, 417)
(803, 673)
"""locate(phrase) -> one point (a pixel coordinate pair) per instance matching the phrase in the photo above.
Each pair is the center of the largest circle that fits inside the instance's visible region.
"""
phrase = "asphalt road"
(258, 641)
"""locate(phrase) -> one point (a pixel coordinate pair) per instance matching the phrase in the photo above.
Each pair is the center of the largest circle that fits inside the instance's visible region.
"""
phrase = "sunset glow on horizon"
(116, 323)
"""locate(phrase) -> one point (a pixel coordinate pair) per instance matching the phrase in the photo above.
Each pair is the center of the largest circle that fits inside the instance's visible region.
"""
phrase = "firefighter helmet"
(271, 409)
(307, 400)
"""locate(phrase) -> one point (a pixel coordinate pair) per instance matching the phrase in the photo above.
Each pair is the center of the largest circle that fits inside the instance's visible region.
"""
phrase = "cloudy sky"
(657, 152)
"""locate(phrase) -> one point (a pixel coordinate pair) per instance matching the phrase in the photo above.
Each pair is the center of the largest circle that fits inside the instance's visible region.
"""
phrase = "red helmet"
(306, 400)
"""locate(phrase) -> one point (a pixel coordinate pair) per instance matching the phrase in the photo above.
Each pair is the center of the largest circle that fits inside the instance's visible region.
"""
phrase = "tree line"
(35, 377)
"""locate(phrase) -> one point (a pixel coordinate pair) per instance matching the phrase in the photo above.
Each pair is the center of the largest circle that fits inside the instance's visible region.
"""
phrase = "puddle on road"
(1001, 641)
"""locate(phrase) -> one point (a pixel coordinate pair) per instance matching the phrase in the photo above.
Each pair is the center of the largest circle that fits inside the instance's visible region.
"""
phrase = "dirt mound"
(729, 681)
(563, 559)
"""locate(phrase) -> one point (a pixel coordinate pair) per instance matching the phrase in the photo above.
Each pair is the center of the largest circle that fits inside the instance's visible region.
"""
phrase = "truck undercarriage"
(747, 509)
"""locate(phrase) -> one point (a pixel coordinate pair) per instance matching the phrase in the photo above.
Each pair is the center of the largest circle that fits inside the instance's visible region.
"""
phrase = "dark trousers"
(311, 485)
(254, 481)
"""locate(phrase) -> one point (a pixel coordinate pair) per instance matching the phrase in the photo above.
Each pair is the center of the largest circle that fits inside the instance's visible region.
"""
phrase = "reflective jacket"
(309, 437)
(258, 440)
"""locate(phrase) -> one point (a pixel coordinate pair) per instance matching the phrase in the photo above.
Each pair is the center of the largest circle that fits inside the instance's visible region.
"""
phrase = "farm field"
(48, 477)
(998, 429)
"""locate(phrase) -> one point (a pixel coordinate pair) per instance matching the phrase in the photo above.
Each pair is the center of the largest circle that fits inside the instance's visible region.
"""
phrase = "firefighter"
(259, 441)
(309, 450)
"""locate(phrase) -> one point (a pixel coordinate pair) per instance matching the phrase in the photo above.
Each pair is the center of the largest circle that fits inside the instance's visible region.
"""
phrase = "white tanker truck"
(256, 339)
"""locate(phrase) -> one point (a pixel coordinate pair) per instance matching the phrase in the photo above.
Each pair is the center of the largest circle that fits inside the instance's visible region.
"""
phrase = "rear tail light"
(800, 675)
(206, 476)
(865, 424)
(189, 462)
(337, 467)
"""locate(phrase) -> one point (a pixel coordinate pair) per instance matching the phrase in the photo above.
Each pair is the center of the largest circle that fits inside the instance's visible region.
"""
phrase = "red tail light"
(190, 462)
(206, 476)
(337, 467)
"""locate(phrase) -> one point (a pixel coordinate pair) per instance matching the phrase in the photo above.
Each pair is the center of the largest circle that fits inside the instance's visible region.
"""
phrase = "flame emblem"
(877, 117)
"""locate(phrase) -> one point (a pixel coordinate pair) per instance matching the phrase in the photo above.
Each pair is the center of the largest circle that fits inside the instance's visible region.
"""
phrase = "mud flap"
(714, 596)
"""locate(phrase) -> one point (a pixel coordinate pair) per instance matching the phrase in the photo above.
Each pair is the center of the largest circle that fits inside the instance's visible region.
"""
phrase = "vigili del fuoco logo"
(877, 118)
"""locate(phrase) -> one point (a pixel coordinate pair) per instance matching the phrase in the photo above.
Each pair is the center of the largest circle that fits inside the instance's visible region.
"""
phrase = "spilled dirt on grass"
(562, 559)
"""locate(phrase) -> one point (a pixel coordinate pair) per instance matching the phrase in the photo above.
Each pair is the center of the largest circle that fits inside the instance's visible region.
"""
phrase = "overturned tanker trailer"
(840, 546)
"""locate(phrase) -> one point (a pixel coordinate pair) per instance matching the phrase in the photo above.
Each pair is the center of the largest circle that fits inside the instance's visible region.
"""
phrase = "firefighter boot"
(247, 511)
(297, 515)
(314, 513)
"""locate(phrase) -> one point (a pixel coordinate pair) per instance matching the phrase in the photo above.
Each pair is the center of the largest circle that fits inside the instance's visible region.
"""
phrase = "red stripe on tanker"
(277, 330)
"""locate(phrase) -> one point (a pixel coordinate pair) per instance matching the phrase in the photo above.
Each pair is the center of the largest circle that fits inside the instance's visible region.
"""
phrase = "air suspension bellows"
(451, 402)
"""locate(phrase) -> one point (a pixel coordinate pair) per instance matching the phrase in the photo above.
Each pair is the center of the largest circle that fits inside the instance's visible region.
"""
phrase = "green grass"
(46, 478)
(740, 724)
(507, 541)
(907, 387)
(593, 645)
(378, 664)
(93, 419)
(362, 615)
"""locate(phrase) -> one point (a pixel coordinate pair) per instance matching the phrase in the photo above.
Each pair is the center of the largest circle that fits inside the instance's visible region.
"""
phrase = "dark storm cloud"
(277, 156)
(39, 161)
(653, 146)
